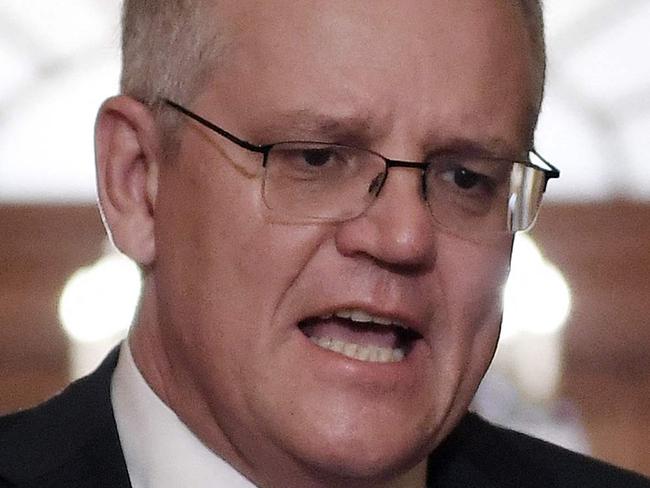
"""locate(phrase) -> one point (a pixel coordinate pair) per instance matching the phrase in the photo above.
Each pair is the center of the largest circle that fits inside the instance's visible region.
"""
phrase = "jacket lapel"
(71, 440)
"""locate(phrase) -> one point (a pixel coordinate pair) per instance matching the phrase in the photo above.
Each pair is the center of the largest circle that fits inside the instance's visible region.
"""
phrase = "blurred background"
(574, 362)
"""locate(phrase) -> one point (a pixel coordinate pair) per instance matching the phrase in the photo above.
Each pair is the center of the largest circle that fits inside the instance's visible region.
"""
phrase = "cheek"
(224, 267)
(473, 275)
(472, 278)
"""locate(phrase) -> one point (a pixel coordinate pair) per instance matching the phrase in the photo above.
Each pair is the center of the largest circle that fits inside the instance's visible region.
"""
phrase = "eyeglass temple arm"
(549, 174)
(554, 172)
(240, 142)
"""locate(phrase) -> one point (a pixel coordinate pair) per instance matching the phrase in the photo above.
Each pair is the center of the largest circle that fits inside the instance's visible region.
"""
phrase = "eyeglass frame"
(551, 173)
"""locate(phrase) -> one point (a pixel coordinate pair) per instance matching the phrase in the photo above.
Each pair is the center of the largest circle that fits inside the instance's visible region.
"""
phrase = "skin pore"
(226, 288)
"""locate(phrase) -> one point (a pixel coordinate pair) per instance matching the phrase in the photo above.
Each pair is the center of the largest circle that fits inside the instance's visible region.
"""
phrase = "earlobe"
(127, 161)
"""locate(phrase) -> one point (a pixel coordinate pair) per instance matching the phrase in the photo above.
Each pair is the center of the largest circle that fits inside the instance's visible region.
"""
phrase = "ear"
(127, 154)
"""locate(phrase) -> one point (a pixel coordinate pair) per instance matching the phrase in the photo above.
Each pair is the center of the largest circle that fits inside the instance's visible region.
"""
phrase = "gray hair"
(167, 48)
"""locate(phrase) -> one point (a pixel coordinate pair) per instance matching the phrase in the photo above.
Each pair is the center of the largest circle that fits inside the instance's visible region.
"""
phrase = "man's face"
(240, 294)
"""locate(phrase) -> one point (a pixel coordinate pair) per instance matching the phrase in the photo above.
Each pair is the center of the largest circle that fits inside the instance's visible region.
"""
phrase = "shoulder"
(510, 458)
(65, 435)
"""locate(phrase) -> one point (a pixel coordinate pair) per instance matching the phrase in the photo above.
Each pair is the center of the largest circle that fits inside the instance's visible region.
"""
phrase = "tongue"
(354, 332)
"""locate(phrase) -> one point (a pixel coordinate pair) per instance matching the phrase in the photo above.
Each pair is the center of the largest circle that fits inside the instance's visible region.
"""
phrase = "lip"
(390, 376)
(406, 318)
(387, 377)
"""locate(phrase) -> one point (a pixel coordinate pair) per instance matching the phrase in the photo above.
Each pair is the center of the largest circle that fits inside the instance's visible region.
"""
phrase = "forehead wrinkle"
(310, 124)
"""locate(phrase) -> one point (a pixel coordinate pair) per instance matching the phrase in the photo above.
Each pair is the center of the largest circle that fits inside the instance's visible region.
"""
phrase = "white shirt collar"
(159, 450)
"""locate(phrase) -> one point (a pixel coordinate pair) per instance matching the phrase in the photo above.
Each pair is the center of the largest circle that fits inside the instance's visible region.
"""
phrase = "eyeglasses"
(472, 197)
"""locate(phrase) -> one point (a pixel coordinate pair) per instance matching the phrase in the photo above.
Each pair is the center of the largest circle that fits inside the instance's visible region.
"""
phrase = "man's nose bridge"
(392, 164)
(396, 163)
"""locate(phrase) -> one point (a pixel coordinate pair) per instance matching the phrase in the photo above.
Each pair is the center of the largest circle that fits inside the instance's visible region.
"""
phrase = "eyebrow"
(351, 127)
(358, 127)
(490, 147)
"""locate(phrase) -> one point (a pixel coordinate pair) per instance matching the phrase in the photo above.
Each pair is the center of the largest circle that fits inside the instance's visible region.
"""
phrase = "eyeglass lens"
(472, 197)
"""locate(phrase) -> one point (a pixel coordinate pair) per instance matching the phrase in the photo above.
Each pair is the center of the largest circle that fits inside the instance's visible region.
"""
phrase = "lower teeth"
(371, 354)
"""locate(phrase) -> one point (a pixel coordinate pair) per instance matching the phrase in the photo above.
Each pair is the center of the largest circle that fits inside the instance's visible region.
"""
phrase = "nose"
(397, 230)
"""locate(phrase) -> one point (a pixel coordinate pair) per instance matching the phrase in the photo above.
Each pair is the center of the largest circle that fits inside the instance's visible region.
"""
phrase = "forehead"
(445, 63)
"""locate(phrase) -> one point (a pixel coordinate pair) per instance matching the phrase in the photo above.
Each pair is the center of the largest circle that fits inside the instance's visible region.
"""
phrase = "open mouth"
(361, 336)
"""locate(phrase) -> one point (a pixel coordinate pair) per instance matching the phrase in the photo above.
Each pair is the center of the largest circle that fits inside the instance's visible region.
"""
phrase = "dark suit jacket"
(71, 441)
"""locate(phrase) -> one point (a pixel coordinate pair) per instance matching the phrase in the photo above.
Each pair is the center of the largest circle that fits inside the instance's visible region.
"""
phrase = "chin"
(358, 470)
(351, 458)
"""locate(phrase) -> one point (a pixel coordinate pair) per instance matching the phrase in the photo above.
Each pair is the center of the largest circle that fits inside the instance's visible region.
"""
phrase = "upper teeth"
(361, 316)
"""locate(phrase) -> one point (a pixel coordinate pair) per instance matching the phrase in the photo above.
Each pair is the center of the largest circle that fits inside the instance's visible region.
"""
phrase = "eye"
(469, 187)
(469, 178)
(465, 179)
(317, 157)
